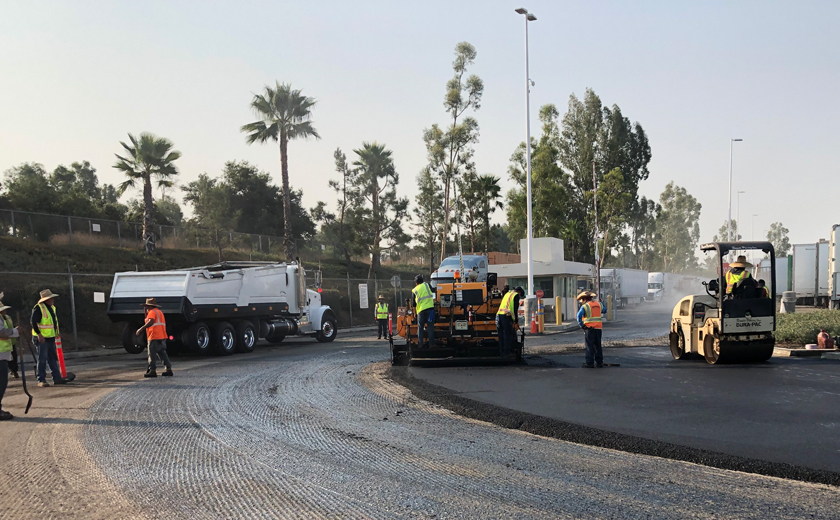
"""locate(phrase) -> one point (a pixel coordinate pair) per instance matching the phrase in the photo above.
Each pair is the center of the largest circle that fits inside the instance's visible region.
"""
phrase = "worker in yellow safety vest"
(156, 336)
(506, 316)
(763, 290)
(381, 309)
(44, 323)
(737, 274)
(8, 333)
(424, 305)
(589, 319)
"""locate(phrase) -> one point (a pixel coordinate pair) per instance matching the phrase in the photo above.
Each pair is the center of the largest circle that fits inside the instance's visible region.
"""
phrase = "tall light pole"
(729, 219)
(597, 254)
(738, 213)
(529, 17)
(752, 235)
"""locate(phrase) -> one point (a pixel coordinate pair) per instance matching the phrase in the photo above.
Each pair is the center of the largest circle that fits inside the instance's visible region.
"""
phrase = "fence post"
(350, 298)
(14, 229)
(160, 231)
(269, 244)
(260, 238)
(73, 309)
(90, 227)
(119, 237)
(70, 229)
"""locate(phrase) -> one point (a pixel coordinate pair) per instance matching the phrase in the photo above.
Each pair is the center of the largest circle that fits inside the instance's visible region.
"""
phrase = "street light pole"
(729, 219)
(528, 18)
(738, 213)
(597, 254)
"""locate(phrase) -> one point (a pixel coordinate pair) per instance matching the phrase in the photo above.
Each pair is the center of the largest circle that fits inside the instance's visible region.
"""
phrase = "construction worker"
(7, 345)
(424, 305)
(589, 319)
(506, 316)
(155, 328)
(737, 274)
(45, 329)
(763, 290)
(382, 317)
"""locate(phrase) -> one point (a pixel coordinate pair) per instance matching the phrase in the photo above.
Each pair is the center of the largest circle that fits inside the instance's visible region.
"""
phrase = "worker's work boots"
(168, 372)
(150, 373)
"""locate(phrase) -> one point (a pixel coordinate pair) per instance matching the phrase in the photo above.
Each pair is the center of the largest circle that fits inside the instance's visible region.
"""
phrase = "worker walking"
(737, 274)
(6, 322)
(589, 319)
(155, 328)
(382, 317)
(45, 329)
(7, 345)
(424, 305)
(506, 316)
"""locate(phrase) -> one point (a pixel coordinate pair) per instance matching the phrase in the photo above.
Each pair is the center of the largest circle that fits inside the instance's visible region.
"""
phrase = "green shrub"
(803, 328)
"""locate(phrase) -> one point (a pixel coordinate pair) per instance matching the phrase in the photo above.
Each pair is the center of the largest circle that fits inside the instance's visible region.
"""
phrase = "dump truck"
(727, 327)
(464, 324)
(225, 307)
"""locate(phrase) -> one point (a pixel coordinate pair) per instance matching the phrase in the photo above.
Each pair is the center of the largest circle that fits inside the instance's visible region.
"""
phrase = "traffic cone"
(60, 353)
(534, 329)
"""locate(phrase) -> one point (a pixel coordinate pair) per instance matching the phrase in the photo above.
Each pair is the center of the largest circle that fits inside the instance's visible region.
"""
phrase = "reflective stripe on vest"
(7, 344)
(732, 279)
(381, 311)
(46, 326)
(157, 330)
(506, 307)
(424, 297)
(592, 315)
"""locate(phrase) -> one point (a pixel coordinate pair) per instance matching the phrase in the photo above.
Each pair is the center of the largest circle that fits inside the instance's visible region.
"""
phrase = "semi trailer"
(223, 308)
(626, 286)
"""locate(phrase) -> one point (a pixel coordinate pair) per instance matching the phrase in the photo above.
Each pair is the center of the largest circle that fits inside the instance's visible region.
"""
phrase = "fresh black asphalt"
(777, 418)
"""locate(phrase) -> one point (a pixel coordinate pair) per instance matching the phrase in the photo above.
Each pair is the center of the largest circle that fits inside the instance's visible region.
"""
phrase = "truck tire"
(246, 336)
(328, 329)
(224, 339)
(197, 338)
(132, 343)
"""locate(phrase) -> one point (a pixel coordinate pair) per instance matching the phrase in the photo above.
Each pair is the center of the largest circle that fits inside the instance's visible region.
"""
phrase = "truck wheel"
(224, 339)
(246, 336)
(328, 329)
(197, 338)
(132, 343)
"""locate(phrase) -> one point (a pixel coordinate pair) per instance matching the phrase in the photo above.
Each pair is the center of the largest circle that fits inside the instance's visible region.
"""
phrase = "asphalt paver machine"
(464, 324)
(723, 326)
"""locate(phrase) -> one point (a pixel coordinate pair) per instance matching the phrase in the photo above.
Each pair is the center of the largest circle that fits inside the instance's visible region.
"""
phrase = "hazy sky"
(76, 77)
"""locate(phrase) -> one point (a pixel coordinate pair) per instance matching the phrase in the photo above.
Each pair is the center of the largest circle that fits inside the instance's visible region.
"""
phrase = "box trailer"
(223, 308)
(809, 273)
(762, 272)
(626, 286)
(834, 269)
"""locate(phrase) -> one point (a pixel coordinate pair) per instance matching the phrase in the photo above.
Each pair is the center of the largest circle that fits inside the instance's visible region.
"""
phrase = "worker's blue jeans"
(4, 379)
(507, 336)
(422, 323)
(48, 355)
(592, 340)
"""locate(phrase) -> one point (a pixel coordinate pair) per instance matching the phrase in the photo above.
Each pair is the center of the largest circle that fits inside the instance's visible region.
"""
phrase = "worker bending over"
(589, 319)
(506, 316)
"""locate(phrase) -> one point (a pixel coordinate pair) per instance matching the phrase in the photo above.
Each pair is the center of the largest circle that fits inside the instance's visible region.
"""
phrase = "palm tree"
(147, 157)
(488, 186)
(284, 115)
(375, 163)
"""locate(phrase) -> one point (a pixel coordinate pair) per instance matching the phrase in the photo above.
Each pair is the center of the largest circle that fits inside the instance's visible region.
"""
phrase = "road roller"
(465, 327)
(734, 321)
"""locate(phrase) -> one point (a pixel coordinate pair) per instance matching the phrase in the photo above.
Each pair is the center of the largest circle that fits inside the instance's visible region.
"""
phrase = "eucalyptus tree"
(147, 158)
(284, 114)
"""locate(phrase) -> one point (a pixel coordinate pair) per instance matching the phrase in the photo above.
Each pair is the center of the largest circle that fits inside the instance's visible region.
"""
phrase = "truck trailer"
(809, 273)
(626, 286)
(834, 269)
(223, 308)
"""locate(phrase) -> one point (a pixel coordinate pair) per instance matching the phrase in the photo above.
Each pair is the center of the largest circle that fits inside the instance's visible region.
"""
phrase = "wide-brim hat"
(741, 262)
(585, 294)
(151, 302)
(4, 307)
(381, 297)
(46, 294)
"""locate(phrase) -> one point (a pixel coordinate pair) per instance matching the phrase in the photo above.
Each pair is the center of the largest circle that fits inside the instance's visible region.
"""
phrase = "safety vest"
(381, 311)
(424, 297)
(157, 330)
(592, 315)
(7, 344)
(506, 307)
(732, 279)
(46, 326)
(766, 291)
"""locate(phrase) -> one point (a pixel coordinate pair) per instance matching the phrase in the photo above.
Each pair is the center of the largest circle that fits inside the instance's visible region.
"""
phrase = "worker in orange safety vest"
(589, 319)
(155, 328)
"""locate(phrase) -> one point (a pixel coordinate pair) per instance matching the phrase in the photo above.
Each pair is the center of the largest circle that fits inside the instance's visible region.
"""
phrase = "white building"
(552, 274)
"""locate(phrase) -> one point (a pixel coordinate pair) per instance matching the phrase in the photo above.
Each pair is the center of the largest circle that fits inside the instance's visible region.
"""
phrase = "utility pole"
(729, 219)
(597, 254)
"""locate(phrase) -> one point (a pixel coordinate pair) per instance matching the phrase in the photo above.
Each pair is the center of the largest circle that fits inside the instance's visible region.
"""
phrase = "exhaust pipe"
(281, 326)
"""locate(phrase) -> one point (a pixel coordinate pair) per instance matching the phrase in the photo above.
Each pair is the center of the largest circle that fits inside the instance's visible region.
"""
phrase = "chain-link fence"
(83, 300)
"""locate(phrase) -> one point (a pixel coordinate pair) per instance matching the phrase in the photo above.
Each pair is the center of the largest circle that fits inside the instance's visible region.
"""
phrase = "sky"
(77, 76)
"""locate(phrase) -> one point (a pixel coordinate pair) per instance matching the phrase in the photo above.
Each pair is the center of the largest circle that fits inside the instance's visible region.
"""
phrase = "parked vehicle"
(834, 269)
(626, 286)
(810, 273)
(762, 272)
(656, 287)
(475, 267)
(223, 308)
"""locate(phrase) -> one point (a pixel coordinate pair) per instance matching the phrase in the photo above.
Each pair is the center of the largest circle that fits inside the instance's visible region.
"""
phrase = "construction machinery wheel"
(224, 339)
(678, 350)
(246, 336)
(197, 338)
(711, 350)
(132, 343)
